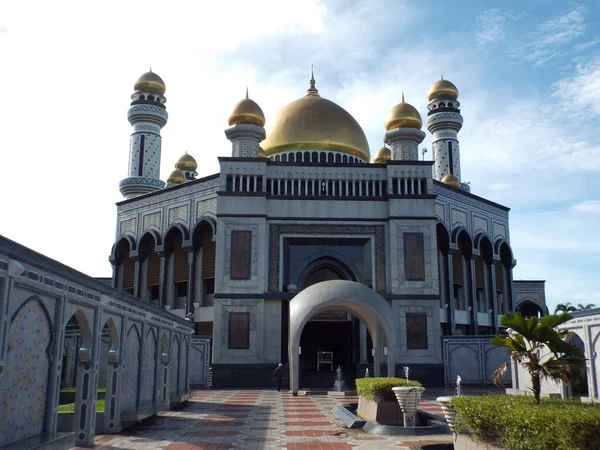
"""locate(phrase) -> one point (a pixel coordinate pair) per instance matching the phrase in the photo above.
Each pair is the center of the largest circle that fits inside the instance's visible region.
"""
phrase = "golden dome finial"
(442, 89)
(383, 154)
(186, 163)
(152, 81)
(312, 90)
(247, 111)
(451, 180)
(403, 115)
(176, 177)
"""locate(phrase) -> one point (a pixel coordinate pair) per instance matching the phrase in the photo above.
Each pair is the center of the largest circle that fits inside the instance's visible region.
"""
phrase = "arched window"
(284, 157)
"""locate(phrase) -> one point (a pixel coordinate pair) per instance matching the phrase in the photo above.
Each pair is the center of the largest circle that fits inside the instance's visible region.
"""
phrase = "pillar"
(363, 358)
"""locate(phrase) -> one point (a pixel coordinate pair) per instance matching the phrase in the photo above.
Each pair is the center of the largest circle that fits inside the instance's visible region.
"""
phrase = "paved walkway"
(255, 419)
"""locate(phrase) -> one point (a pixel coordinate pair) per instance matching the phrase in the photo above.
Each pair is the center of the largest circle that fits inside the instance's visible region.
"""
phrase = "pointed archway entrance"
(342, 295)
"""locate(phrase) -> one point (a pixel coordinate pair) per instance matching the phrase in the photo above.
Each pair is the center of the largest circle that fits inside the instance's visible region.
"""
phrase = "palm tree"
(587, 307)
(564, 307)
(540, 348)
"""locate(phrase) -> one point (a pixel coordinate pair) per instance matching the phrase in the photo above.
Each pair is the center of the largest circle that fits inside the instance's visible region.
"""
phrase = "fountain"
(367, 372)
(446, 404)
(339, 385)
(408, 397)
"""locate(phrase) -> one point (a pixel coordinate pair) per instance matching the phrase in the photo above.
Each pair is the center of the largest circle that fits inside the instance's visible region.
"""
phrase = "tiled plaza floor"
(255, 419)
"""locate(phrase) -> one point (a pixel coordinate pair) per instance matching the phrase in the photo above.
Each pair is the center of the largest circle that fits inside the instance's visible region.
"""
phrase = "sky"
(528, 73)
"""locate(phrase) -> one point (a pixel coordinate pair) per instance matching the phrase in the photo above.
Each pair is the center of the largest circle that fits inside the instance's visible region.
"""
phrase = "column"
(362, 333)
(136, 276)
(112, 411)
(191, 276)
(450, 283)
(493, 297)
(470, 263)
(163, 279)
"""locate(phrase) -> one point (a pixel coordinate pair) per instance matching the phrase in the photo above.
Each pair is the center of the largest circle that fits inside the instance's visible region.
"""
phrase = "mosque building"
(307, 249)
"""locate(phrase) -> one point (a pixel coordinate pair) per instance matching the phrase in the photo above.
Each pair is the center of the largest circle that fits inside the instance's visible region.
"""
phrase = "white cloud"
(580, 93)
(586, 207)
(490, 26)
(551, 38)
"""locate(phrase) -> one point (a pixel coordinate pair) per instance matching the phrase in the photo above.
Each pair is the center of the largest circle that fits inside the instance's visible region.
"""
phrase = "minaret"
(443, 122)
(404, 133)
(246, 129)
(147, 115)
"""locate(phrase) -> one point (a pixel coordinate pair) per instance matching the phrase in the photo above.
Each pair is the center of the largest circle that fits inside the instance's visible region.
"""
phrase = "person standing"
(278, 376)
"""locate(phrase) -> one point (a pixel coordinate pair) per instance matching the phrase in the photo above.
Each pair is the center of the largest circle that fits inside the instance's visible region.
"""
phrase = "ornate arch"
(343, 295)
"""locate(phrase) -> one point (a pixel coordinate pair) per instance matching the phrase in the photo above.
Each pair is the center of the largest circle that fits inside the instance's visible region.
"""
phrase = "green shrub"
(380, 389)
(517, 423)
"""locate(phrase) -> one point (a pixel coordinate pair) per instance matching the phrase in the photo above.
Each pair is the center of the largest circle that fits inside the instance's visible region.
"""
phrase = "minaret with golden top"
(444, 122)
(404, 133)
(147, 115)
(246, 129)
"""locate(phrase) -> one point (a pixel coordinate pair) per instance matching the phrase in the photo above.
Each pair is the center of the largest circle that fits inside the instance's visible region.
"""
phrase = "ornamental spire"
(312, 90)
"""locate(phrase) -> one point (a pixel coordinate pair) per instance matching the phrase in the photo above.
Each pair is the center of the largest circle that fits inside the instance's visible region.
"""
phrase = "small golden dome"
(315, 123)
(451, 181)
(403, 115)
(176, 177)
(383, 154)
(186, 162)
(150, 81)
(261, 152)
(442, 88)
(247, 111)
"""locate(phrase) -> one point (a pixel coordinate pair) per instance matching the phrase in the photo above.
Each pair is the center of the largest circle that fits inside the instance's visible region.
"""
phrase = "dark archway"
(124, 265)
(149, 276)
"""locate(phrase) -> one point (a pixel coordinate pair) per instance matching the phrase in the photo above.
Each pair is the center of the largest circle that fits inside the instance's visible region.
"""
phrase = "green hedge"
(380, 389)
(517, 423)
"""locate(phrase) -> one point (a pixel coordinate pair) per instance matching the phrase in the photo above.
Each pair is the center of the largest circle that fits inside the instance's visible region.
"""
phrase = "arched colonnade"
(173, 270)
(475, 275)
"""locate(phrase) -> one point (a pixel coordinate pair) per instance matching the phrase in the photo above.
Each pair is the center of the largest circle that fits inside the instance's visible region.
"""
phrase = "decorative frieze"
(499, 231)
(440, 212)
(178, 213)
(152, 220)
(459, 218)
(479, 225)
(127, 226)
(204, 206)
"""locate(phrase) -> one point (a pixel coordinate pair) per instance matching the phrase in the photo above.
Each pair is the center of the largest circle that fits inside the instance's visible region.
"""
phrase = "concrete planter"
(448, 410)
(384, 413)
(408, 398)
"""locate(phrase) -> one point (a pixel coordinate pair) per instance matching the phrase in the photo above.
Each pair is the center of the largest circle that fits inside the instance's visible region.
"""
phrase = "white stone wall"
(431, 355)
(397, 283)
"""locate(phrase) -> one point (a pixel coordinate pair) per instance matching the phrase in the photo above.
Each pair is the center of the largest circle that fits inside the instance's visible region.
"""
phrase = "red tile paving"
(257, 420)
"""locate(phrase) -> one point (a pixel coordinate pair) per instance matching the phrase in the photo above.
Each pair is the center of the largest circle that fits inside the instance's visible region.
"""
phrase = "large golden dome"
(315, 123)
(442, 88)
(403, 115)
(150, 80)
(248, 112)
(186, 162)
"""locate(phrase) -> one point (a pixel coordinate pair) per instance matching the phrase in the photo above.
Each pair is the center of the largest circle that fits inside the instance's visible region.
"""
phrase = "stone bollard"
(408, 398)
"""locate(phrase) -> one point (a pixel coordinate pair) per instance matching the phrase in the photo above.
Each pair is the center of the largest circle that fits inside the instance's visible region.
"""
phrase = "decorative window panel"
(416, 331)
(241, 247)
(239, 331)
(414, 257)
